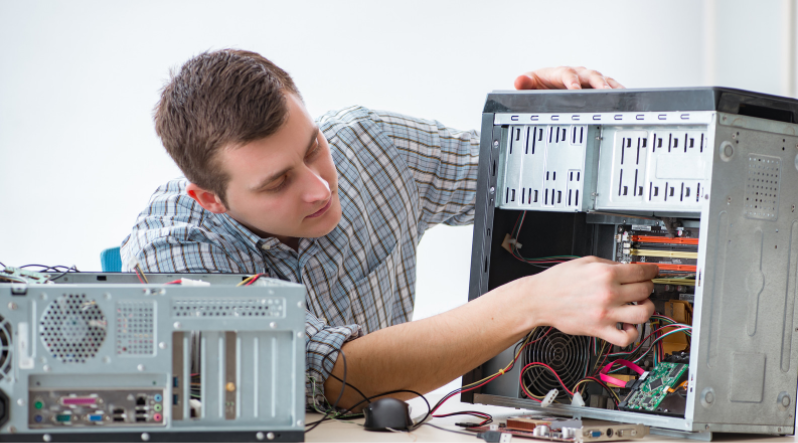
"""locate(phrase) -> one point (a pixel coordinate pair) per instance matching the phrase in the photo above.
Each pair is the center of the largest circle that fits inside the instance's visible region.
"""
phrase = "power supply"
(701, 182)
(101, 357)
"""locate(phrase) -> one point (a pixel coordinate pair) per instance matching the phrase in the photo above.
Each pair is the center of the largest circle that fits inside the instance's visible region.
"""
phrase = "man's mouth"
(322, 210)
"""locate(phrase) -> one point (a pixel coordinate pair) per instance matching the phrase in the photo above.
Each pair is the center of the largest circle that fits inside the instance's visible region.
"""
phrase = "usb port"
(141, 419)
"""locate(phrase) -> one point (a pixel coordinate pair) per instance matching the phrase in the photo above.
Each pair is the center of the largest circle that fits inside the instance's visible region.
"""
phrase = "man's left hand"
(565, 77)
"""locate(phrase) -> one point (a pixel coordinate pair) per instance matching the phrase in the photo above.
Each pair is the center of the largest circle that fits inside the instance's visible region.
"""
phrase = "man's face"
(284, 185)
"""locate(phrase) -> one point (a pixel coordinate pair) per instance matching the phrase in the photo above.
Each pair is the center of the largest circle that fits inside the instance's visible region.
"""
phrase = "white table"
(334, 431)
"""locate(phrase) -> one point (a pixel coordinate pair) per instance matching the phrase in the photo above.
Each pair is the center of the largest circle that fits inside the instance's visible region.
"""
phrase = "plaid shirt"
(397, 176)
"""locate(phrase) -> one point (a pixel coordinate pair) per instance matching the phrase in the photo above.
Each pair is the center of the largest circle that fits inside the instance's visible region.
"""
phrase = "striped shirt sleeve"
(444, 163)
(322, 347)
(171, 235)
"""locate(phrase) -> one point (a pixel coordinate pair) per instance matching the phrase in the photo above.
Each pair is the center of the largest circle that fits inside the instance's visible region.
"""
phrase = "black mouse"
(387, 413)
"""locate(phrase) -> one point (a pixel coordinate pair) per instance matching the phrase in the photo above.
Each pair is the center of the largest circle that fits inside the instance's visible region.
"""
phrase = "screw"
(299, 305)
(496, 144)
(12, 306)
(145, 437)
(178, 325)
(46, 368)
(162, 345)
(46, 437)
(107, 296)
(12, 429)
(299, 423)
(140, 368)
(106, 359)
(21, 402)
(270, 435)
(259, 436)
(273, 325)
(492, 190)
(298, 335)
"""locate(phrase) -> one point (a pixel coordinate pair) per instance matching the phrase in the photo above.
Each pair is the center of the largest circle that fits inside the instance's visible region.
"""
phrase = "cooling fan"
(5, 348)
(568, 355)
(73, 328)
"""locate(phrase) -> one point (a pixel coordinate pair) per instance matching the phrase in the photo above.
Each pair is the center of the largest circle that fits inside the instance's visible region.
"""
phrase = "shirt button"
(265, 247)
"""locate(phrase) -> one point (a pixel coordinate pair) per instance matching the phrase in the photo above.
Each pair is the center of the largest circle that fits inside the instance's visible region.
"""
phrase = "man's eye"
(314, 151)
(279, 187)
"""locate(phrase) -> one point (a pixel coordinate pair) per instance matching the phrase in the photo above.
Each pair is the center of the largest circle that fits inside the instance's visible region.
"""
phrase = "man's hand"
(565, 77)
(590, 296)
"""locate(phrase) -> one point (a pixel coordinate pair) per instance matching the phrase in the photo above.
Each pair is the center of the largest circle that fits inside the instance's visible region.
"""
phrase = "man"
(340, 204)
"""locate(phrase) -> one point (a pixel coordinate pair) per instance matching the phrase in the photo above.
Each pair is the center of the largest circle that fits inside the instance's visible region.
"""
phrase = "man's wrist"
(519, 299)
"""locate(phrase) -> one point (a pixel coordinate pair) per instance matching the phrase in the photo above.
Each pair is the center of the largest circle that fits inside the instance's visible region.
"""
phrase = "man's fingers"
(631, 292)
(618, 337)
(570, 78)
(593, 79)
(635, 273)
(634, 314)
(615, 84)
(526, 81)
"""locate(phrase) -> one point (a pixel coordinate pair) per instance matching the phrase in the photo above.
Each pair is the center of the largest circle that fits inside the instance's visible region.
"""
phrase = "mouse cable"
(332, 410)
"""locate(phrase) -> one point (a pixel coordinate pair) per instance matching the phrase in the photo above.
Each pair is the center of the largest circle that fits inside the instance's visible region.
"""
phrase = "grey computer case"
(102, 357)
(595, 170)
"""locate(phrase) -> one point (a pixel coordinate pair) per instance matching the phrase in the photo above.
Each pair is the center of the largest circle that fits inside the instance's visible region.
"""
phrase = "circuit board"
(649, 393)
(20, 275)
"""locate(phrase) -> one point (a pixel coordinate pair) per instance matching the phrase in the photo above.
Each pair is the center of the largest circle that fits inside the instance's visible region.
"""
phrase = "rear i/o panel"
(97, 407)
(699, 182)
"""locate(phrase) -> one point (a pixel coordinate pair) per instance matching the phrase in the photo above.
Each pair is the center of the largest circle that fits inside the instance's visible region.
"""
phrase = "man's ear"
(207, 199)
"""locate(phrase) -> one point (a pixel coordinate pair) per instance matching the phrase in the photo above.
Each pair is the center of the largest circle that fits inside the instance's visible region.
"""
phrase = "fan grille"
(73, 328)
(5, 348)
(568, 355)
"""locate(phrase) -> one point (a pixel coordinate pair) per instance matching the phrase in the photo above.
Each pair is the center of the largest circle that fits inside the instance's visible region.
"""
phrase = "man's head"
(236, 126)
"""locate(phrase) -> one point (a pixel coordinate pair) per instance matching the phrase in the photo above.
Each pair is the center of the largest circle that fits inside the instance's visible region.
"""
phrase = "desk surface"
(334, 431)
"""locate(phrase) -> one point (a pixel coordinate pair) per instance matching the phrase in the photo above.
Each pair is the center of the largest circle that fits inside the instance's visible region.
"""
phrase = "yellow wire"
(243, 282)
(142, 273)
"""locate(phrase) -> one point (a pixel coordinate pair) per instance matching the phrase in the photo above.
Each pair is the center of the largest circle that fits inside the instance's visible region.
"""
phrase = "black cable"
(327, 357)
(451, 430)
(73, 269)
(337, 400)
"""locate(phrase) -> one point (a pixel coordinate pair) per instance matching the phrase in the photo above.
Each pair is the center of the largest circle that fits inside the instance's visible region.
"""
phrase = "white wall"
(78, 81)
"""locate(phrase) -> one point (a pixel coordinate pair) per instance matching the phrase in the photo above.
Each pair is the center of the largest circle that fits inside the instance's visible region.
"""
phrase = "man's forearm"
(424, 355)
(588, 296)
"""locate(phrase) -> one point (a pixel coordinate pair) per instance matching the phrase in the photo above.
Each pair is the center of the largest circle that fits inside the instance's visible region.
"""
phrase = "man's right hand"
(590, 296)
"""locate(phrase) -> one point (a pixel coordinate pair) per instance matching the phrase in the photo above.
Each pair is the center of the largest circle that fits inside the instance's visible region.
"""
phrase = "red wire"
(174, 282)
(460, 391)
(253, 280)
(535, 363)
(138, 276)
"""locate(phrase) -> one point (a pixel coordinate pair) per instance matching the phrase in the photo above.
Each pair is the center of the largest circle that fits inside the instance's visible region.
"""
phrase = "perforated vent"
(5, 348)
(567, 354)
(73, 328)
(135, 328)
(762, 187)
(228, 308)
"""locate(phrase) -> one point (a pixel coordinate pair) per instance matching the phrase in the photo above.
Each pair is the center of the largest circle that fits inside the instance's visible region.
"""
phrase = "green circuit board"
(653, 389)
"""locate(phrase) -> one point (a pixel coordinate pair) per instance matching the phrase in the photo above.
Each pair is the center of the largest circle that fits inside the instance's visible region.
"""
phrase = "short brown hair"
(219, 99)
